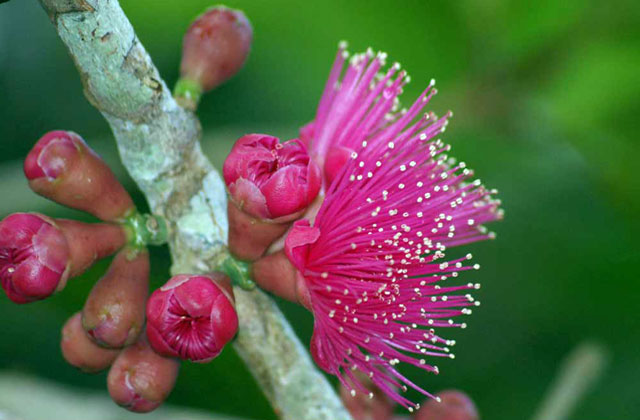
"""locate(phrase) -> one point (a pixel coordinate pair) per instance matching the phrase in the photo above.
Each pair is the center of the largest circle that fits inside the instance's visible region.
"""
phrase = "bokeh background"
(546, 97)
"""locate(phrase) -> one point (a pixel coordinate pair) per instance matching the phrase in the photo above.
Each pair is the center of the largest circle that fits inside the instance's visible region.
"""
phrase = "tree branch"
(159, 145)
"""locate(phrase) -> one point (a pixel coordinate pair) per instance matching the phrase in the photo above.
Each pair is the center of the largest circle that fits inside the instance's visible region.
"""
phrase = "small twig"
(579, 371)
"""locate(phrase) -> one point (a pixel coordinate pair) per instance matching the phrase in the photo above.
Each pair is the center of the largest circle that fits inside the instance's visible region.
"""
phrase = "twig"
(580, 370)
(159, 145)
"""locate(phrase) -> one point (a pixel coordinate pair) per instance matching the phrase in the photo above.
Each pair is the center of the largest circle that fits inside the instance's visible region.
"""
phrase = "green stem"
(239, 272)
(577, 374)
(187, 93)
(146, 229)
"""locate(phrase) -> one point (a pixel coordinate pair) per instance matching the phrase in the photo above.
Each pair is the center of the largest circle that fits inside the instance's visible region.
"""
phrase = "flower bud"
(273, 183)
(276, 274)
(214, 48)
(192, 317)
(39, 254)
(140, 380)
(78, 349)
(367, 403)
(34, 257)
(113, 315)
(63, 168)
(269, 179)
(449, 405)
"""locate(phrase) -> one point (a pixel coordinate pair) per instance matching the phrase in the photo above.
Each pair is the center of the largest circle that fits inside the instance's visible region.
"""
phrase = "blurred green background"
(546, 97)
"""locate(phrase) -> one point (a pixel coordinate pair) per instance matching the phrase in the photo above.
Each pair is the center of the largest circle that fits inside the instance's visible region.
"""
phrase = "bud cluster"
(38, 254)
(140, 338)
(191, 317)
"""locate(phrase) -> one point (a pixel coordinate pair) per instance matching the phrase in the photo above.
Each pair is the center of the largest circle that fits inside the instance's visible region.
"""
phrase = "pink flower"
(360, 106)
(34, 257)
(373, 261)
(191, 317)
(269, 179)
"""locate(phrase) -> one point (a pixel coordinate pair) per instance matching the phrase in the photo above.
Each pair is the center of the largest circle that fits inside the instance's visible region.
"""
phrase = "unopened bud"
(450, 405)
(113, 315)
(78, 349)
(214, 48)
(34, 257)
(269, 179)
(140, 380)
(63, 168)
(272, 183)
(192, 317)
(38, 254)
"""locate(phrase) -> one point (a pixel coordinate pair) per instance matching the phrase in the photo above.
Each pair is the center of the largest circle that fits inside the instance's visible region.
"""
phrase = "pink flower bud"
(140, 380)
(271, 184)
(34, 257)
(113, 314)
(215, 46)
(192, 317)
(63, 168)
(269, 179)
(448, 405)
(39, 254)
(78, 350)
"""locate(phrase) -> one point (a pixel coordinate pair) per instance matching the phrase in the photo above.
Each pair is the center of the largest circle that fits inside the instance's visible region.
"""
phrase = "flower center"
(9, 258)
(281, 157)
(191, 336)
